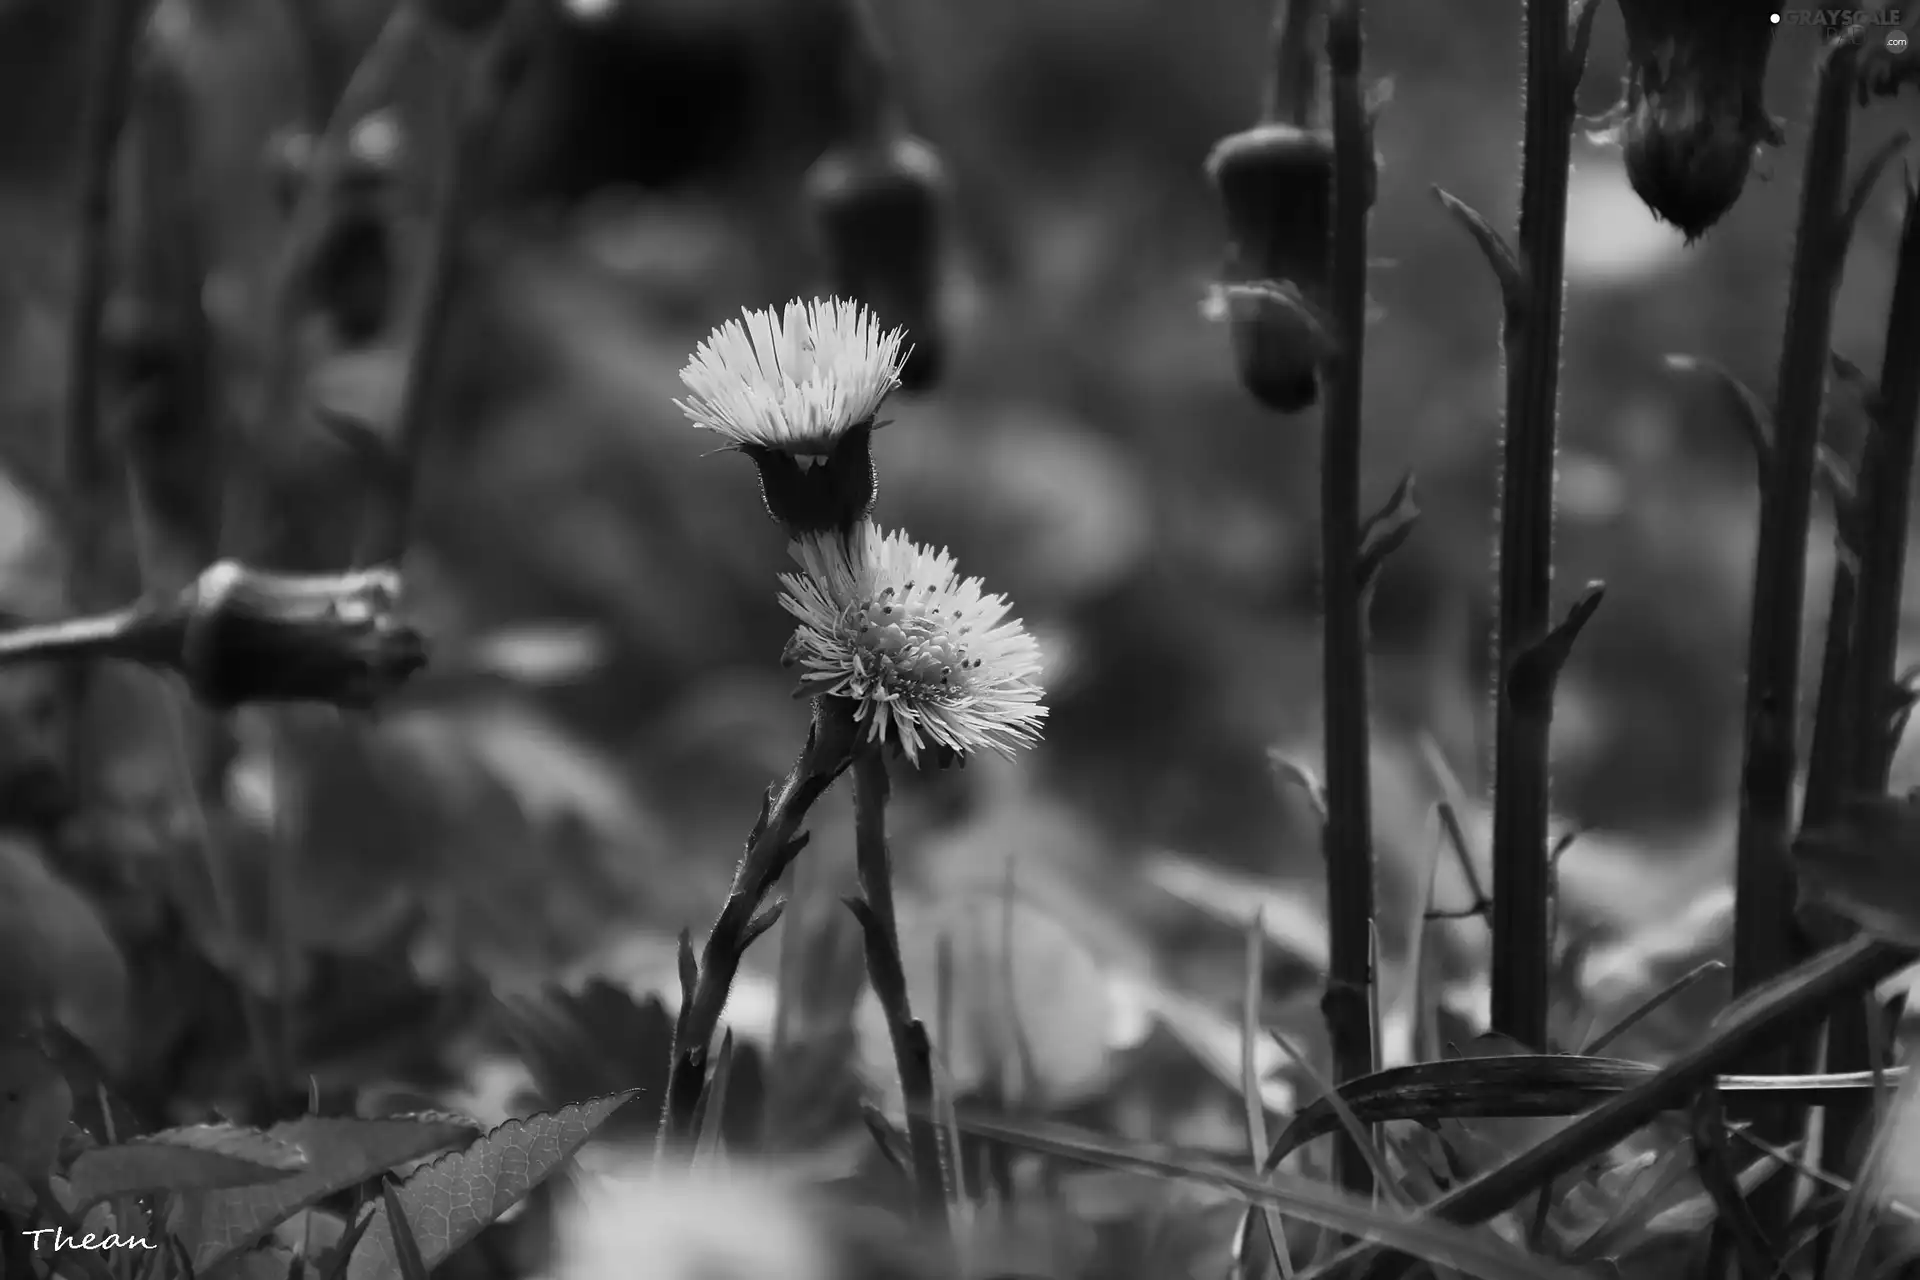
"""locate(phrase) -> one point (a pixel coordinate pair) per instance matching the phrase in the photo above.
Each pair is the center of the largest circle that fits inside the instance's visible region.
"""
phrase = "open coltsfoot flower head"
(1694, 111)
(798, 391)
(933, 662)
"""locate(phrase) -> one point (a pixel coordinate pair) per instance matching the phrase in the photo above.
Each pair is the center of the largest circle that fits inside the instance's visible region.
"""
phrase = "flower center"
(917, 647)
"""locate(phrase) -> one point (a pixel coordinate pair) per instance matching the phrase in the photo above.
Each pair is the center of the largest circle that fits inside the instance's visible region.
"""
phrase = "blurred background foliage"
(569, 786)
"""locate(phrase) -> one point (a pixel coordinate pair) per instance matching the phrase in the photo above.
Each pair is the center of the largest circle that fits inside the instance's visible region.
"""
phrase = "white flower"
(625, 1219)
(796, 381)
(930, 657)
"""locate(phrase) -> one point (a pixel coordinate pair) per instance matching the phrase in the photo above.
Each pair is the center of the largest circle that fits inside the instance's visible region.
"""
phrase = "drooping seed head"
(1275, 183)
(1695, 110)
(253, 636)
(877, 211)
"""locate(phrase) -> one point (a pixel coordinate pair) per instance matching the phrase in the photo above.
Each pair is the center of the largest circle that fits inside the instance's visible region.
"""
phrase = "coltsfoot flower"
(934, 662)
(798, 392)
(1694, 111)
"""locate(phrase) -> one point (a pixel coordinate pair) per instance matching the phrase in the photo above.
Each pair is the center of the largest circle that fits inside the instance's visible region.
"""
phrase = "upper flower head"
(1694, 112)
(932, 660)
(794, 382)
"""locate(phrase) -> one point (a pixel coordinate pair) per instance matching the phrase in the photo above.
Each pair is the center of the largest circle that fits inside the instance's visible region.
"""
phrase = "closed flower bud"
(877, 210)
(1695, 110)
(251, 636)
(1276, 188)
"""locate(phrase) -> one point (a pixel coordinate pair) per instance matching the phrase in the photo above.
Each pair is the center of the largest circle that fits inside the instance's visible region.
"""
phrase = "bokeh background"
(569, 786)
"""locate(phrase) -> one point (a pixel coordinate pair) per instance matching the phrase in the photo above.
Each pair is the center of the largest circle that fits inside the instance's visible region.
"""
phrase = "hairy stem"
(1885, 513)
(1348, 832)
(775, 842)
(1766, 935)
(912, 1053)
(1521, 875)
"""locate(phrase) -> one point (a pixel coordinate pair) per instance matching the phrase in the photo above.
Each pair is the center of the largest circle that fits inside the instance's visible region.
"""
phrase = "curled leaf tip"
(1494, 247)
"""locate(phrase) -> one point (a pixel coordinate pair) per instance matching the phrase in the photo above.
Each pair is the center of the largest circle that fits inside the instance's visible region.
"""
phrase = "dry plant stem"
(86, 476)
(776, 839)
(169, 275)
(1765, 929)
(366, 91)
(1521, 875)
(119, 634)
(1347, 835)
(913, 1055)
(875, 112)
(478, 96)
(1886, 501)
(1795, 998)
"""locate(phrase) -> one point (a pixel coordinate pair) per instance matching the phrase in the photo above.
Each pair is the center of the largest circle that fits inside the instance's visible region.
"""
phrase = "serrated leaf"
(406, 1250)
(452, 1200)
(340, 1150)
(201, 1157)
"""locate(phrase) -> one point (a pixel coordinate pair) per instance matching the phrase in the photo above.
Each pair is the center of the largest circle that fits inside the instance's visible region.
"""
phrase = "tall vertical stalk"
(1765, 933)
(483, 81)
(1348, 833)
(87, 476)
(1523, 711)
(1885, 498)
(880, 928)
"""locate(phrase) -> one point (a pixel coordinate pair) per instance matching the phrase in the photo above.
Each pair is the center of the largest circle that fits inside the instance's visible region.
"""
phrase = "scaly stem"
(775, 841)
(478, 96)
(1522, 887)
(1348, 834)
(1766, 936)
(1886, 498)
(86, 475)
(911, 1052)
